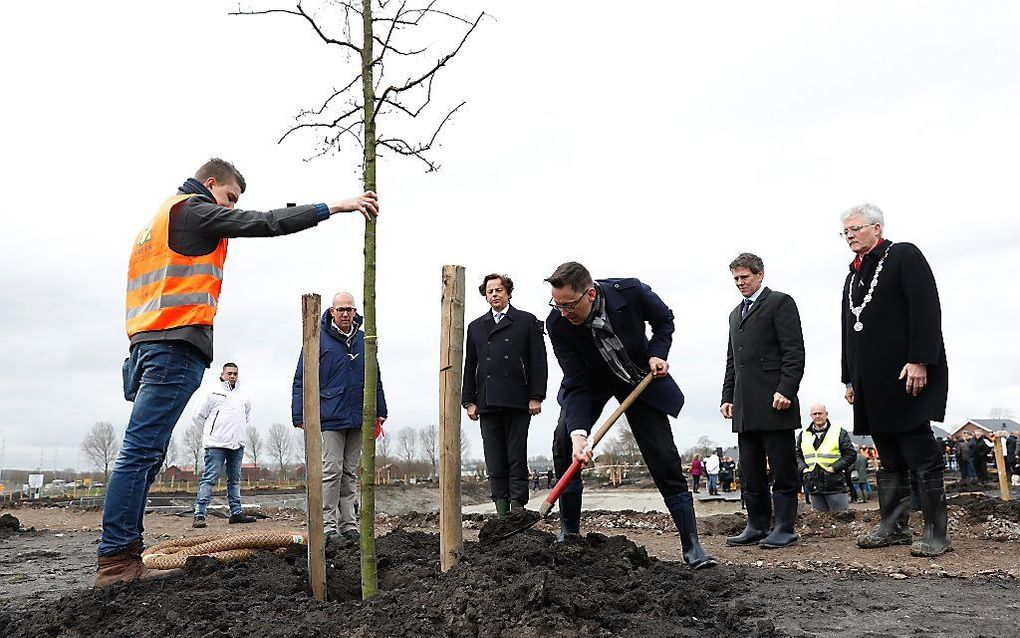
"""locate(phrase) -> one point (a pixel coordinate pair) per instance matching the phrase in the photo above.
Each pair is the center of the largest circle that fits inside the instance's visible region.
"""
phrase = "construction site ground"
(598, 585)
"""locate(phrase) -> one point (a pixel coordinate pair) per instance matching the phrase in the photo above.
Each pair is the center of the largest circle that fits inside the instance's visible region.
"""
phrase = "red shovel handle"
(557, 489)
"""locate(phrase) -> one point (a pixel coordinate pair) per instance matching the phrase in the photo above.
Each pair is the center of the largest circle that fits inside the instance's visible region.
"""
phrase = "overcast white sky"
(654, 140)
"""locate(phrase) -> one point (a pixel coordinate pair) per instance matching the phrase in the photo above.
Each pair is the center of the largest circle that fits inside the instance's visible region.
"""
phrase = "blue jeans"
(215, 458)
(160, 377)
(713, 481)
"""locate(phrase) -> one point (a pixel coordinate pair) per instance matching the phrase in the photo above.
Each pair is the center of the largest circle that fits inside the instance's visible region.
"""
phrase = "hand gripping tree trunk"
(344, 115)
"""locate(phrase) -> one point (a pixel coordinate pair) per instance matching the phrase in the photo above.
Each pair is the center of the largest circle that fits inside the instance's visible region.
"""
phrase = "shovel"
(574, 468)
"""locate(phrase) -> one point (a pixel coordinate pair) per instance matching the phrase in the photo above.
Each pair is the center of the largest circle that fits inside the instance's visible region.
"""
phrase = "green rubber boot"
(502, 507)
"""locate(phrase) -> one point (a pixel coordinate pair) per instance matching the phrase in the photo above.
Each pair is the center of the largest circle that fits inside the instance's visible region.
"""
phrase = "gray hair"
(871, 213)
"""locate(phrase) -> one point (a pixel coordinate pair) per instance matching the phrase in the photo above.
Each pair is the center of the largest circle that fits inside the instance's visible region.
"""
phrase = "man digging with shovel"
(597, 330)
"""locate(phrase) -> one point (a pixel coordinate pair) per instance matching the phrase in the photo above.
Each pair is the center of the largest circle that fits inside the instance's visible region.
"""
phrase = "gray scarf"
(609, 345)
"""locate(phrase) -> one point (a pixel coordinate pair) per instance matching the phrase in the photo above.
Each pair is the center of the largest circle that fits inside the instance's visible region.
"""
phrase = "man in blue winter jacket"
(341, 396)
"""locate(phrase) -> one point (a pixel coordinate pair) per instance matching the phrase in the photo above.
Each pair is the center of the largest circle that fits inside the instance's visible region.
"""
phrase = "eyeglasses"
(341, 310)
(570, 306)
(855, 229)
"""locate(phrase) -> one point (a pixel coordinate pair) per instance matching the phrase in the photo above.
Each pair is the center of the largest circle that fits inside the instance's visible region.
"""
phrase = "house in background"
(986, 426)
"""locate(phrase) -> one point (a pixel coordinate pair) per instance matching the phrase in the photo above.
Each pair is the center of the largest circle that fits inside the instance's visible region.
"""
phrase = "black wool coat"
(764, 355)
(902, 324)
(504, 363)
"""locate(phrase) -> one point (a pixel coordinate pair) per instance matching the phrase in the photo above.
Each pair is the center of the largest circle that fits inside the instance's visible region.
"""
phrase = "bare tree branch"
(301, 12)
(410, 84)
(402, 147)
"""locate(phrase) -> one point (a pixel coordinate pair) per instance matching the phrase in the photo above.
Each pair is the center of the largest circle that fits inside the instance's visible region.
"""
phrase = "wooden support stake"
(451, 369)
(310, 310)
(1000, 466)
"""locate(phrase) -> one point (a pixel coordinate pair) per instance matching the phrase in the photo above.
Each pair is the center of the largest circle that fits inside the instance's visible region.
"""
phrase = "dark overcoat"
(504, 363)
(902, 324)
(764, 355)
(587, 381)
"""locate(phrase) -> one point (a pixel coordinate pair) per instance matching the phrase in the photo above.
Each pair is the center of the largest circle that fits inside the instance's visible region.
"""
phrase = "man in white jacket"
(223, 416)
(712, 469)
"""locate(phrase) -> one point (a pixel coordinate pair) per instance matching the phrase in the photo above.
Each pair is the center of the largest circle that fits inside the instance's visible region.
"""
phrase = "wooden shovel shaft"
(568, 476)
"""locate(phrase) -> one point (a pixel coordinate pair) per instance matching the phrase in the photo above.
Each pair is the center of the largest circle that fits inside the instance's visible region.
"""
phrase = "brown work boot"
(127, 566)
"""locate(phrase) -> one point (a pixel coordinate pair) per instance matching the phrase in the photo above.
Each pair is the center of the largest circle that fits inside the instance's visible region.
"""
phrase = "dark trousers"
(654, 438)
(697, 481)
(505, 442)
(778, 449)
(914, 449)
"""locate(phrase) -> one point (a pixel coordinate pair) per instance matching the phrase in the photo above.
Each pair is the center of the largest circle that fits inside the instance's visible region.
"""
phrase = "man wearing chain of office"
(896, 377)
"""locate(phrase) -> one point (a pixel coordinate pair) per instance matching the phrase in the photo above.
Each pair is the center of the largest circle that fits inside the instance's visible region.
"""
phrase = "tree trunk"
(369, 577)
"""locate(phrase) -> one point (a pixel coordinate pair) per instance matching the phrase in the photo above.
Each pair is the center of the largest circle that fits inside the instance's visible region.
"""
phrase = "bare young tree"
(253, 447)
(193, 446)
(100, 447)
(407, 445)
(382, 449)
(390, 82)
(299, 444)
(429, 437)
(279, 445)
(170, 458)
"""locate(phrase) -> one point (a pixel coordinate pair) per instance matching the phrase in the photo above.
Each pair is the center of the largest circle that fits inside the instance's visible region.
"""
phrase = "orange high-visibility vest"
(166, 289)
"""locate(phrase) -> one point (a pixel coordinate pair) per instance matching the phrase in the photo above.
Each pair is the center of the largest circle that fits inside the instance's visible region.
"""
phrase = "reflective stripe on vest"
(826, 454)
(166, 289)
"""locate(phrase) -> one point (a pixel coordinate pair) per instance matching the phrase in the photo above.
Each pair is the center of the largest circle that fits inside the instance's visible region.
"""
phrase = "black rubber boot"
(784, 532)
(932, 494)
(570, 514)
(894, 507)
(502, 507)
(759, 515)
(681, 508)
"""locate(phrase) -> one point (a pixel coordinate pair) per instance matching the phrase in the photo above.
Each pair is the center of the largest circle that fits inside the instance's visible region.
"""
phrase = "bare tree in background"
(299, 446)
(429, 436)
(170, 458)
(253, 447)
(382, 448)
(389, 45)
(279, 445)
(703, 448)
(193, 446)
(100, 447)
(407, 445)
(1000, 413)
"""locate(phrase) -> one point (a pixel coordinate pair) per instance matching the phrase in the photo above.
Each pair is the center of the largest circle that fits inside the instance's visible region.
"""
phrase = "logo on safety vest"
(145, 235)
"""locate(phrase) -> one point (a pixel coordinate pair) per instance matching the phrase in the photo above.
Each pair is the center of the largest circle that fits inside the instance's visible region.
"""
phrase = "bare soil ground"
(530, 586)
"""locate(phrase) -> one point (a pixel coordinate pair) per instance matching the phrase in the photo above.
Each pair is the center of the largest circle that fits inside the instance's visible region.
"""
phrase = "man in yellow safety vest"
(824, 452)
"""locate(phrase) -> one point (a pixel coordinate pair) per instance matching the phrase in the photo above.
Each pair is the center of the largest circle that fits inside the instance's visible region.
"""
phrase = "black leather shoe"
(199, 522)
(241, 517)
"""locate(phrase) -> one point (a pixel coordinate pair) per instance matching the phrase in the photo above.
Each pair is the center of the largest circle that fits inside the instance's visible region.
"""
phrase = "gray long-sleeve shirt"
(198, 225)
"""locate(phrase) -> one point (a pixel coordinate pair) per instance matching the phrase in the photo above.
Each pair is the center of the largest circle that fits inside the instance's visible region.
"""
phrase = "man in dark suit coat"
(505, 373)
(896, 376)
(764, 366)
(597, 330)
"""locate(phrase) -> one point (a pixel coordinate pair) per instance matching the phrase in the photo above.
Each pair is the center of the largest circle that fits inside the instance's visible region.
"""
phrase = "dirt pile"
(526, 586)
(9, 524)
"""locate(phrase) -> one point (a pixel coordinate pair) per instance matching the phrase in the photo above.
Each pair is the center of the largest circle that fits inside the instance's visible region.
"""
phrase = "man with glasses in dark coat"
(598, 334)
(896, 376)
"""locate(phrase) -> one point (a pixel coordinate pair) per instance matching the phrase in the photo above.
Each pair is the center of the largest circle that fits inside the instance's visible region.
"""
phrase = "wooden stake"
(1000, 466)
(310, 310)
(451, 369)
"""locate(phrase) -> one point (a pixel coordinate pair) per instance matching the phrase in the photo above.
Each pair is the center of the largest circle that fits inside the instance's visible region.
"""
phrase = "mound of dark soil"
(9, 524)
(526, 586)
(979, 507)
